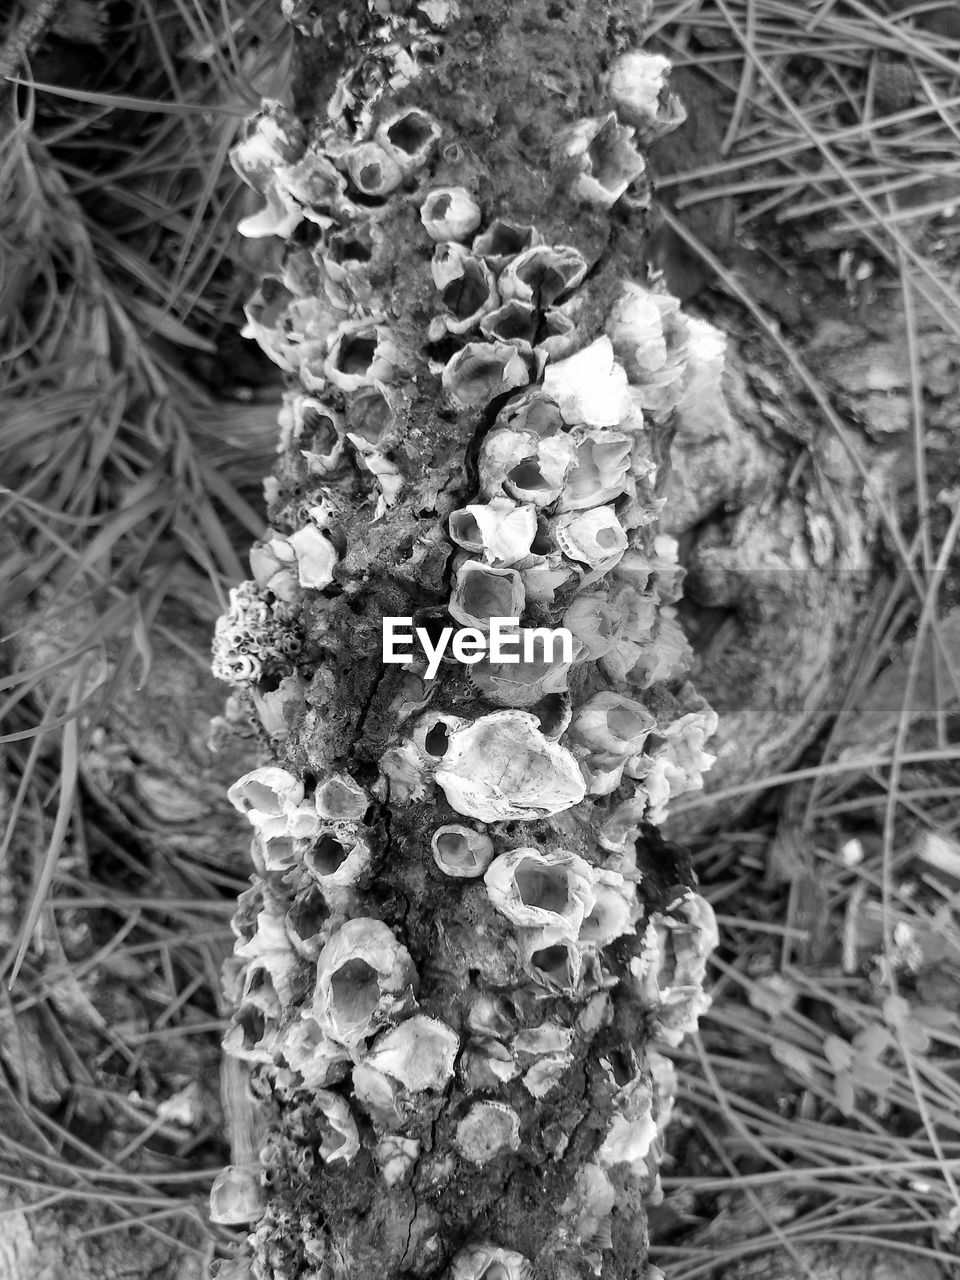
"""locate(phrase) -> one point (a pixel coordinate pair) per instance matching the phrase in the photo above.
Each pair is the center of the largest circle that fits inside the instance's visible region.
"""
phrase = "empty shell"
(340, 799)
(461, 851)
(489, 1262)
(595, 538)
(373, 170)
(364, 977)
(449, 213)
(529, 468)
(500, 531)
(503, 240)
(542, 274)
(341, 1141)
(483, 370)
(409, 137)
(481, 592)
(465, 284)
(606, 158)
(589, 387)
(537, 890)
(338, 856)
(600, 472)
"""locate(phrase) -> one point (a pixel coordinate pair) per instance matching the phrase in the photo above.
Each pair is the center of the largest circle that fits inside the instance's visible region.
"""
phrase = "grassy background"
(819, 1104)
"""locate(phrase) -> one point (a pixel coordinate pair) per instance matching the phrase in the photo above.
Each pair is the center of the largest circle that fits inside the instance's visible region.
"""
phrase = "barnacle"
(409, 137)
(594, 537)
(542, 274)
(542, 890)
(489, 1262)
(529, 468)
(589, 387)
(501, 766)
(487, 1130)
(461, 851)
(396, 1156)
(482, 370)
(373, 170)
(419, 1053)
(481, 592)
(637, 86)
(338, 856)
(365, 977)
(341, 1141)
(606, 158)
(465, 284)
(341, 799)
(237, 1195)
(266, 796)
(600, 472)
(449, 213)
(499, 530)
(523, 683)
(504, 240)
(361, 355)
(672, 967)
(632, 1128)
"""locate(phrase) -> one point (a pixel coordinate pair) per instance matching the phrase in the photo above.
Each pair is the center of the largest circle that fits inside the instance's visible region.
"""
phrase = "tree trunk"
(465, 943)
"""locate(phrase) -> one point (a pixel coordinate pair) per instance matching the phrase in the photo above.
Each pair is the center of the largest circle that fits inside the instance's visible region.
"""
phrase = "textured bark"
(460, 1074)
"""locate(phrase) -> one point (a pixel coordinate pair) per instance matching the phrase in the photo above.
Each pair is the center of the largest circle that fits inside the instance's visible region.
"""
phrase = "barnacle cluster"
(448, 960)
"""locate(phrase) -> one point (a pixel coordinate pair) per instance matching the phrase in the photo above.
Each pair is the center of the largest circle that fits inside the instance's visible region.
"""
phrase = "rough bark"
(463, 1074)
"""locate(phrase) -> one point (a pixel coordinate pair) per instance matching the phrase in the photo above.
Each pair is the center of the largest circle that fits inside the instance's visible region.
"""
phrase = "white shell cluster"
(534, 779)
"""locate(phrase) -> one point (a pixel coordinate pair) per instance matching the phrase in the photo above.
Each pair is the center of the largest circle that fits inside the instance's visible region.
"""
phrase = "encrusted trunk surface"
(465, 943)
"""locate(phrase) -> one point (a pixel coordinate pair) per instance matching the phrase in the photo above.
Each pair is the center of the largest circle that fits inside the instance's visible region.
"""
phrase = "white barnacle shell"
(482, 370)
(594, 537)
(488, 1129)
(237, 1195)
(302, 822)
(632, 1128)
(280, 216)
(341, 1141)
(278, 853)
(460, 851)
(615, 911)
(339, 856)
(306, 923)
(595, 622)
(273, 565)
(486, 1064)
(589, 387)
(383, 1099)
(365, 977)
(481, 592)
(373, 170)
(272, 138)
(312, 181)
(266, 796)
(514, 322)
(316, 557)
(542, 274)
(536, 890)
(589, 1206)
(449, 213)
(361, 355)
(548, 1038)
(559, 336)
(409, 137)
(543, 579)
(419, 1053)
(502, 767)
(489, 1262)
(607, 159)
(396, 1156)
(339, 798)
(553, 959)
(465, 284)
(529, 468)
(636, 83)
(612, 725)
(500, 531)
(600, 472)
(521, 684)
(503, 240)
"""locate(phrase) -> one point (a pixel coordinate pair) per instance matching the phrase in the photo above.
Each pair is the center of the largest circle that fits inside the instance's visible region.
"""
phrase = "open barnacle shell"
(632, 1129)
(373, 170)
(409, 137)
(594, 537)
(559, 335)
(481, 592)
(316, 428)
(278, 853)
(465, 284)
(600, 472)
(251, 1036)
(338, 856)
(365, 978)
(612, 726)
(529, 468)
(542, 274)
(521, 684)
(266, 796)
(482, 370)
(449, 213)
(500, 531)
(313, 182)
(553, 959)
(514, 322)
(589, 387)
(460, 851)
(319, 1060)
(274, 137)
(487, 1130)
(316, 557)
(306, 922)
(489, 1262)
(361, 355)
(419, 1053)
(502, 767)
(606, 158)
(536, 890)
(637, 87)
(504, 240)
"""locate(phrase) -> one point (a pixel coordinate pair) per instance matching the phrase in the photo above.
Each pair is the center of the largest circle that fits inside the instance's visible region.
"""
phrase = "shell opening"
(527, 475)
(543, 887)
(468, 293)
(411, 133)
(356, 992)
(455, 851)
(369, 415)
(485, 596)
(554, 963)
(437, 740)
(328, 855)
(438, 206)
(356, 354)
(466, 529)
